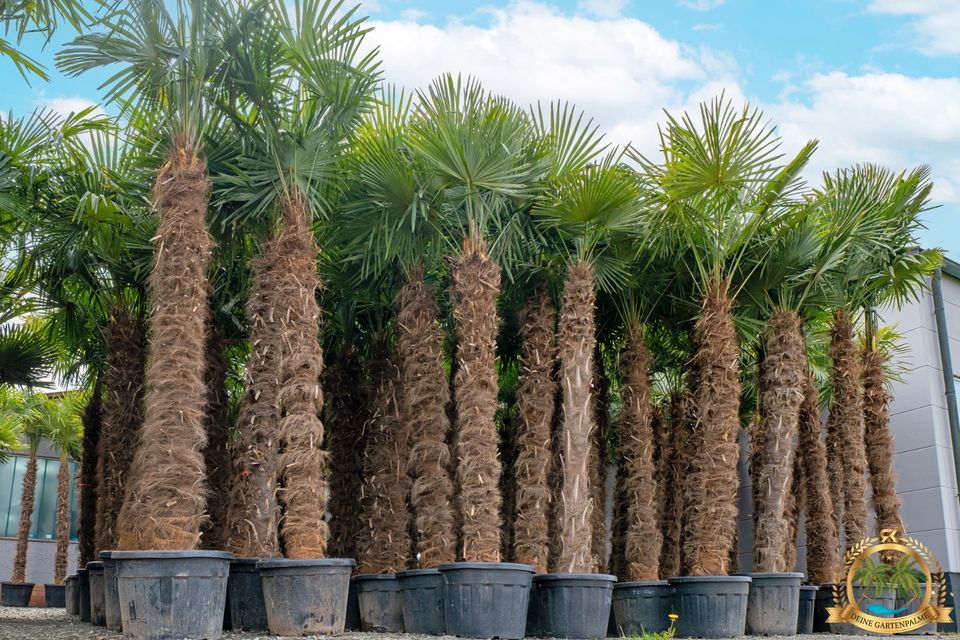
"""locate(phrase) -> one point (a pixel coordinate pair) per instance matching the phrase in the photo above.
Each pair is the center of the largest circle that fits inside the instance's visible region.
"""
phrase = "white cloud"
(66, 105)
(701, 5)
(936, 23)
(602, 8)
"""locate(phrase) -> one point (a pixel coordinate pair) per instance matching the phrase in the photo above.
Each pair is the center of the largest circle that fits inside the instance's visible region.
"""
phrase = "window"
(44, 519)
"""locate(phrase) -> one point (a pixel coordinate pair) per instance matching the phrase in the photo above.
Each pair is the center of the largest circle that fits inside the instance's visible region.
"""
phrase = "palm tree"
(34, 429)
(42, 18)
(65, 432)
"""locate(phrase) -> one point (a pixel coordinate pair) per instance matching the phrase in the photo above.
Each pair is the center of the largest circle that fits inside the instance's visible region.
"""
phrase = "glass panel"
(13, 515)
(44, 521)
(6, 492)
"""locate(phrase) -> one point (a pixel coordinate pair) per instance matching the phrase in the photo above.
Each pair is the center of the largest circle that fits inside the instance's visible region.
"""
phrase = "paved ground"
(55, 624)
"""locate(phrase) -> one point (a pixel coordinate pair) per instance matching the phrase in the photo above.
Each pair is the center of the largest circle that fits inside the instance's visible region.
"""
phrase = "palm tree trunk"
(643, 539)
(823, 555)
(879, 442)
(711, 485)
(87, 480)
(165, 505)
(846, 423)
(217, 425)
(424, 410)
(126, 352)
(599, 461)
(302, 461)
(474, 287)
(671, 474)
(795, 505)
(781, 390)
(63, 520)
(27, 499)
(536, 392)
(576, 340)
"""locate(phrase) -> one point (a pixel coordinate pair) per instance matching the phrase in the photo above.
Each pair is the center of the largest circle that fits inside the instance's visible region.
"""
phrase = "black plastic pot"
(805, 608)
(710, 606)
(421, 600)
(640, 607)
(486, 599)
(887, 598)
(15, 594)
(572, 605)
(772, 606)
(353, 609)
(55, 595)
(379, 597)
(83, 594)
(306, 597)
(821, 601)
(904, 601)
(71, 595)
(111, 597)
(172, 594)
(245, 596)
(98, 615)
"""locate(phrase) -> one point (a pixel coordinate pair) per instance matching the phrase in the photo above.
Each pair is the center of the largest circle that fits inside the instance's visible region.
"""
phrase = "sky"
(873, 80)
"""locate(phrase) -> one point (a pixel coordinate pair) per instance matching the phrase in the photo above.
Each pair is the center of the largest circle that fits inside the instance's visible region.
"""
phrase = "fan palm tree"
(65, 432)
(44, 18)
(34, 428)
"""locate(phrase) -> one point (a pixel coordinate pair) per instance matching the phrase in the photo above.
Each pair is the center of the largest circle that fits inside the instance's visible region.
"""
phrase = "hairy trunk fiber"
(599, 462)
(165, 504)
(879, 442)
(87, 480)
(217, 456)
(795, 505)
(385, 541)
(63, 521)
(126, 353)
(781, 390)
(27, 499)
(424, 409)
(643, 536)
(302, 463)
(846, 422)
(576, 342)
(347, 414)
(823, 554)
(671, 472)
(536, 393)
(475, 286)
(711, 484)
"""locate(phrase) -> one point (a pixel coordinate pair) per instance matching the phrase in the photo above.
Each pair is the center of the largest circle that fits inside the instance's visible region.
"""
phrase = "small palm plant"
(873, 575)
(65, 432)
(29, 409)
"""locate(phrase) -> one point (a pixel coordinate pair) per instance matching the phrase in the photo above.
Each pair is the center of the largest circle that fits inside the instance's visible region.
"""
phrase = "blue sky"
(873, 80)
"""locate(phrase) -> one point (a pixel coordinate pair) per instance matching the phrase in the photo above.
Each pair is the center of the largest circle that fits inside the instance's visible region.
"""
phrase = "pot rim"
(158, 554)
(290, 563)
(708, 579)
(492, 566)
(7, 583)
(411, 573)
(373, 577)
(809, 587)
(243, 560)
(95, 565)
(556, 577)
(641, 583)
(773, 574)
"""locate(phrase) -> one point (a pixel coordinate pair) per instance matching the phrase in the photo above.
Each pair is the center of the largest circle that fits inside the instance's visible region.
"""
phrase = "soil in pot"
(172, 594)
(772, 605)
(640, 607)
(710, 606)
(572, 605)
(247, 610)
(55, 595)
(98, 615)
(71, 595)
(379, 599)
(353, 609)
(421, 601)
(805, 608)
(111, 597)
(15, 594)
(83, 594)
(306, 597)
(486, 599)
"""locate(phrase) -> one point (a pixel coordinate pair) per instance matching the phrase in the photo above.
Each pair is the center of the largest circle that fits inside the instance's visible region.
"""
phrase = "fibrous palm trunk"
(823, 555)
(643, 537)
(216, 455)
(671, 472)
(576, 343)
(475, 286)
(166, 501)
(598, 464)
(63, 521)
(794, 506)
(781, 390)
(536, 392)
(302, 463)
(846, 426)
(879, 442)
(87, 479)
(27, 499)
(424, 410)
(126, 352)
(712, 481)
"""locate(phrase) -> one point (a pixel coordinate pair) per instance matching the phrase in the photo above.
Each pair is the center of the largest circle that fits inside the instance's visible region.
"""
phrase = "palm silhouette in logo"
(878, 578)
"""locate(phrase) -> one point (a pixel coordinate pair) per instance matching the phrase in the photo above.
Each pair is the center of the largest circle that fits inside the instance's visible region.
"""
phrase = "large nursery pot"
(643, 606)
(906, 602)
(710, 606)
(172, 594)
(421, 600)
(55, 595)
(111, 596)
(83, 594)
(486, 599)
(95, 573)
(887, 598)
(352, 622)
(245, 605)
(773, 603)
(571, 605)
(822, 600)
(379, 597)
(805, 609)
(15, 594)
(71, 595)
(306, 597)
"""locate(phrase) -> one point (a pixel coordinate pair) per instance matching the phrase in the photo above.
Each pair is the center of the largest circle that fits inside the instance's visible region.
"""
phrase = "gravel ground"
(55, 624)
